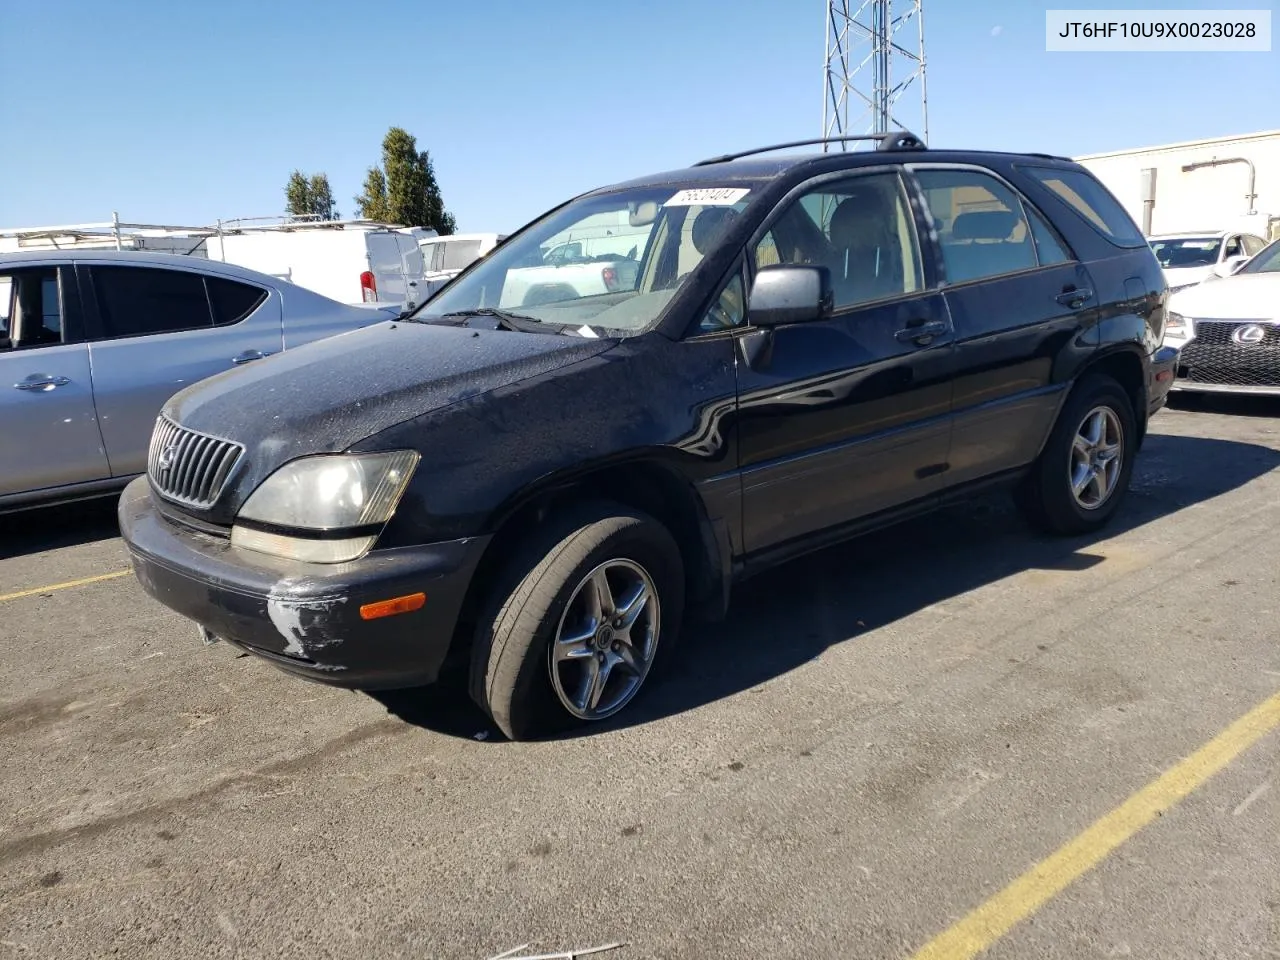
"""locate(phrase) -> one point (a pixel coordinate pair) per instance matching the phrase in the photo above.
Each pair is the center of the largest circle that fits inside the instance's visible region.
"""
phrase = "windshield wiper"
(507, 320)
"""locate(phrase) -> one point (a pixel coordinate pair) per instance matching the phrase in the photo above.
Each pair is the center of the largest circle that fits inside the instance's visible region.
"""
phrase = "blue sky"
(182, 112)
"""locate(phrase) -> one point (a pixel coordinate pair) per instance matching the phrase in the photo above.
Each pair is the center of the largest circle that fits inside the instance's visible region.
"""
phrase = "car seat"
(867, 255)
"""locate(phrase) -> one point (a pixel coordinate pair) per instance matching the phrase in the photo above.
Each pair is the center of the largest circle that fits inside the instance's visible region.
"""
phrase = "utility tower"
(875, 53)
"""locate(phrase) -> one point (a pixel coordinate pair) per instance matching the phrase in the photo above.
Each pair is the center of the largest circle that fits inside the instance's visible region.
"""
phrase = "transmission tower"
(875, 53)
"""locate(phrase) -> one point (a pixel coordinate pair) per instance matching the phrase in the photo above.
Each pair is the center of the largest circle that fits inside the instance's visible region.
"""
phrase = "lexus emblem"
(166, 458)
(1249, 333)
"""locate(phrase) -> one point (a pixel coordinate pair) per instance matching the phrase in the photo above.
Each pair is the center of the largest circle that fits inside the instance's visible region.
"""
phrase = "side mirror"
(788, 293)
(1229, 266)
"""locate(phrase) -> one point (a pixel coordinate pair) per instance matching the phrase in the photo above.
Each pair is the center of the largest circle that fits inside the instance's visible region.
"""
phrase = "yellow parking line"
(1020, 899)
(63, 586)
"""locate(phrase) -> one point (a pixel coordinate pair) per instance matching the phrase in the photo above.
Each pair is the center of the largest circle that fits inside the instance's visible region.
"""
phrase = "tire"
(544, 593)
(1046, 495)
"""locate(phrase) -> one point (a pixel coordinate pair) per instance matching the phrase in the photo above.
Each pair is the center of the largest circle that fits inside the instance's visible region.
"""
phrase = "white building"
(1229, 183)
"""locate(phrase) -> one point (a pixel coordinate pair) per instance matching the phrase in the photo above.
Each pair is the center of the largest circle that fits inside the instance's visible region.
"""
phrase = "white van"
(445, 257)
(351, 261)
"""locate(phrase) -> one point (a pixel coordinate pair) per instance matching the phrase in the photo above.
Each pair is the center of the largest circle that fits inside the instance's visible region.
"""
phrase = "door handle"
(1075, 299)
(42, 383)
(249, 355)
(922, 333)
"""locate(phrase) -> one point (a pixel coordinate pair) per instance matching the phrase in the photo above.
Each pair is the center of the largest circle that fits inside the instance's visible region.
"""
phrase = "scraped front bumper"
(305, 617)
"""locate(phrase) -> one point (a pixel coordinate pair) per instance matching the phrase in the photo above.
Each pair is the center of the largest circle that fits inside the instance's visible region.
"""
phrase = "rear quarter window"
(1091, 201)
(232, 301)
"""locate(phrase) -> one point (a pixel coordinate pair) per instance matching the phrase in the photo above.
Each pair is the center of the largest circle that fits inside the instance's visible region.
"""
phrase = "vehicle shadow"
(788, 616)
(61, 525)
(1232, 404)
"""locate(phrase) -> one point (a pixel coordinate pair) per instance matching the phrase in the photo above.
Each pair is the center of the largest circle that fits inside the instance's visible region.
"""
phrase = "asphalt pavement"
(886, 741)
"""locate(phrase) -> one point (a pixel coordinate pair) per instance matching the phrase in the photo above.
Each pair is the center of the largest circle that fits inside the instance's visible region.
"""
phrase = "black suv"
(558, 458)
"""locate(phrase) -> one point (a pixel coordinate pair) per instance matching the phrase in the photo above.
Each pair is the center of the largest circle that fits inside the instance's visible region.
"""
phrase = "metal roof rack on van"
(303, 222)
(894, 140)
(118, 232)
(115, 228)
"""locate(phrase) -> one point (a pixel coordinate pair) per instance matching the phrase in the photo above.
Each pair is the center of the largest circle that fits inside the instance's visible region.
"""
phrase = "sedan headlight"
(324, 509)
(1178, 327)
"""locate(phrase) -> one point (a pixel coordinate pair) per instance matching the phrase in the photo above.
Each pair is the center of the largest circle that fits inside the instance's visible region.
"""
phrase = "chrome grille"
(187, 467)
(1215, 357)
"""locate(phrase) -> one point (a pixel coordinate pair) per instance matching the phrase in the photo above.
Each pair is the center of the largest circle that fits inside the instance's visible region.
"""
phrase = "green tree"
(322, 204)
(297, 195)
(404, 189)
(309, 197)
(372, 203)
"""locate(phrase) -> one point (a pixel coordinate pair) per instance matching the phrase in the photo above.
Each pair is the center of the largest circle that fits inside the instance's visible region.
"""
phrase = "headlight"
(330, 501)
(1178, 327)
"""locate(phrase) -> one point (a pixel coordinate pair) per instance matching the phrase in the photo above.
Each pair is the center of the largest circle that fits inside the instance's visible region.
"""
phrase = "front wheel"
(579, 621)
(1083, 474)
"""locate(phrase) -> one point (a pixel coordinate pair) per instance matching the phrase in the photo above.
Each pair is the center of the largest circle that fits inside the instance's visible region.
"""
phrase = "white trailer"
(1226, 183)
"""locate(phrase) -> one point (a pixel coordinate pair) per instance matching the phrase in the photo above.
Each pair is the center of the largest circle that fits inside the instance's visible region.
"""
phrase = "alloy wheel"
(606, 639)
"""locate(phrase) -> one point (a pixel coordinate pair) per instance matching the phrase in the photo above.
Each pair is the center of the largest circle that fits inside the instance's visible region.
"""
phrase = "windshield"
(610, 262)
(1187, 251)
(1267, 260)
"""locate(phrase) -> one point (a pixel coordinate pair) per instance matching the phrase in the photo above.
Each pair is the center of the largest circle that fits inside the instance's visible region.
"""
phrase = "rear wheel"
(1083, 473)
(578, 622)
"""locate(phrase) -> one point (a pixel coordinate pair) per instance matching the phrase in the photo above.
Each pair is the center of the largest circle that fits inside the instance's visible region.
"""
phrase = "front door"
(157, 331)
(843, 418)
(48, 428)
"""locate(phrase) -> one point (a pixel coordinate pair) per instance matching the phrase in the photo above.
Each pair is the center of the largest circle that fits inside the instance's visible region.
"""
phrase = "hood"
(1250, 296)
(328, 395)
(1181, 276)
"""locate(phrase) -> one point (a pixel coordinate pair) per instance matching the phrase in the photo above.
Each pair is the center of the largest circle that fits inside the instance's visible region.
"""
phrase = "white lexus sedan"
(1190, 258)
(1228, 329)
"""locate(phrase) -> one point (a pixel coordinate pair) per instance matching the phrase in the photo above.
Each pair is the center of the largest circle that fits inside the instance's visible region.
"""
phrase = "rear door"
(157, 330)
(846, 417)
(1017, 296)
(387, 267)
(48, 427)
(411, 264)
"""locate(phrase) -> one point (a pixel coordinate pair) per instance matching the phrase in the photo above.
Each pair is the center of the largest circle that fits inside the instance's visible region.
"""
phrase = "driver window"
(729, 309)
(1233, 249)
(861, 229)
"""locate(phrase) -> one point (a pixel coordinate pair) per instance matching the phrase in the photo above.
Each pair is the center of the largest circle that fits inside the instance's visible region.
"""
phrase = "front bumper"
(1194, 386)
(305, 617)
(1213, 361)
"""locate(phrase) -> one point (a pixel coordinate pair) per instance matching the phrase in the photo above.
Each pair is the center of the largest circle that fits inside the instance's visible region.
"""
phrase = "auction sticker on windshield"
(708, 197)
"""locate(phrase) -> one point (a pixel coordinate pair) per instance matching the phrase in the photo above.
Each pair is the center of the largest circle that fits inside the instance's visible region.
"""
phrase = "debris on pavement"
(565, 955)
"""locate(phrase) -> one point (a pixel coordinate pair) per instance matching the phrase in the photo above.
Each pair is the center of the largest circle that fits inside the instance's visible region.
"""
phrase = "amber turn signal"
(389, 608)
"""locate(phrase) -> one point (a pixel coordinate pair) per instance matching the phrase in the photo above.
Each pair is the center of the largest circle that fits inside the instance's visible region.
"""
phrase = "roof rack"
(118, 232)
(894, 140)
